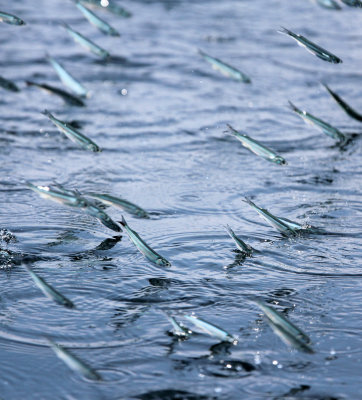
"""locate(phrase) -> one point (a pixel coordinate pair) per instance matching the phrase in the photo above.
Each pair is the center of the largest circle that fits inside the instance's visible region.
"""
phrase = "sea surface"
(165, 148)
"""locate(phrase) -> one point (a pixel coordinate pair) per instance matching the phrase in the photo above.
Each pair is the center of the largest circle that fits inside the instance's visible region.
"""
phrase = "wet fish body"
(56, 195)
(178, 329)
(243, 247)
(330, 4)
(103, 217)
(8, 85)
(112, 7)
(352, 3)
(10, 19)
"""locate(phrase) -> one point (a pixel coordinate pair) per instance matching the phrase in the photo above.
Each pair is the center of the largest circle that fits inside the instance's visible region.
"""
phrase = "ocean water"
(165, 148)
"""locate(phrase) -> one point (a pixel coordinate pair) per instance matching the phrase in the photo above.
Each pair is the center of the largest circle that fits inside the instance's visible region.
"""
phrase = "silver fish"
(67, 78)
(143, 247)
(326, 128)
(103, 217)
(285, 329)
(102, 25)
(257, 148)
(225, 69)
(56, 195)
(243, 247)
(87, 43)
(330, 4)
(352, 3)
(8, 85)
(111, 7)
(10, 19)
(73, 362)
(49, 291)
(211, 329)
(178, 328)
(72, 133)
(312, 47)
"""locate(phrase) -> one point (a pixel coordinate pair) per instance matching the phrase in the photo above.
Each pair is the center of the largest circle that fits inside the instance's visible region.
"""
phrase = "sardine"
(87, 43)
(67, 78)
(121, 203)
(73, 362)
(56, 195)
(347, 108)
(111, 7)
(331, 4)
(225, 69)
(312, 47)
(211, 329)
(10, 19)
(257, 148)
(285, 329)
(8, 85)
(243, 247)
(67, 97)
(178, 328)
(103, 217)
(74, 135)
(326, 128)
(352, 3)
(143, 247)
(49, 291)
(102, 25)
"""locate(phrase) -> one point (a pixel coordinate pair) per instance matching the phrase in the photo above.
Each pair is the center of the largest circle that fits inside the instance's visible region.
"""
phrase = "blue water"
(164, 148)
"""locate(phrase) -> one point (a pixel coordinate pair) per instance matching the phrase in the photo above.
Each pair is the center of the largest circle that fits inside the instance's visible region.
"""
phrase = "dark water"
(164, 148)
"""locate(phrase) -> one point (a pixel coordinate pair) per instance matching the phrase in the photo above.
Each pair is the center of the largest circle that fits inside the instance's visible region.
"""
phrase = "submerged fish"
(143, 247)
(73, 134)
(243, 247)
(87, 43)
(285, 329)
(10, 19)
(59, 195)
(49, 291)
(103, 217)
(347, 108)
(312, 47)
(257, 148)
(67, 97)
(178, 328)
(102, 25)
(352, 3)
(121, 203)
(111, 7)
(8, 85)
(331, 4)
(225, 69)
(211, 329)
(73, 362)
(67, 78)
(326, 128)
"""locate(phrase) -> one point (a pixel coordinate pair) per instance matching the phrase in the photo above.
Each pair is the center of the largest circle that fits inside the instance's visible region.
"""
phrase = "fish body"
(74, 363)
(121, 203)
(312, 47)
(102, 25)
(225, 69)
(143, 247)
(330, 4)
(56, 195)
(67, 78)
(67, 97)
(87, 43)
(257, 148)
(10, 19)
(352, 3)
(8, 85)
(211, 329)
(243, 247)
(48, 290)
(178, 329)
(73, 134)
(285, 329)
(112, 7)
(326, 128)
(103, 217)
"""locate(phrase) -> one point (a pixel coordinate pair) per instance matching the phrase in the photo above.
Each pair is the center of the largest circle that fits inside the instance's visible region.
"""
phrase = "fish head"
(163, 262)
(279, 160)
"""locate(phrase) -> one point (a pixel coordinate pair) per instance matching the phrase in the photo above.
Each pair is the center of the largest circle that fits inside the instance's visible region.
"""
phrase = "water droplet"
(218, 390)
(124, 92)
(104, 3)
(275, 362)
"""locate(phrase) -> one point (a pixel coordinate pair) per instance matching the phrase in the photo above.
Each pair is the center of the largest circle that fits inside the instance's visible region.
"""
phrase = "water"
(164, 149)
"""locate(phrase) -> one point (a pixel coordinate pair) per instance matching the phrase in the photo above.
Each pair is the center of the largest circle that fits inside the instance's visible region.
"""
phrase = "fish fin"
(232, 130)
(123, 222)
(285, 31)
(229, 230)
(202, 53)
(30, 83)
(247, 200)
(293, 107)
(47, 113)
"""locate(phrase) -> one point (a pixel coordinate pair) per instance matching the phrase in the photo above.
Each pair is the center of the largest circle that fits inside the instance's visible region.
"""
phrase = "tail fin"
(30, 83)
(293, 107)
(229, 230)
(123, 222)
(47, 113)
(285, 31)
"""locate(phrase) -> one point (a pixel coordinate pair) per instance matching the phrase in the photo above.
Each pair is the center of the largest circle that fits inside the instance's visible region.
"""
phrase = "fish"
(57, 195)
(178, 328)
(67, 78)
(111, 7)
(103, 217)
(48, 290)
(225, 69)
(10, 19)
(347, 108)
(66, 97)
(285, 329)
(73, 362)
(102, 25)
(121, 203)
(243, 247)
(87, 43)
(8, 85)
(211, 329)
(352, 3)
(312, 47)
(74, 135)
(331, 4)
(143, 247)
(326, 128)
(257, 148)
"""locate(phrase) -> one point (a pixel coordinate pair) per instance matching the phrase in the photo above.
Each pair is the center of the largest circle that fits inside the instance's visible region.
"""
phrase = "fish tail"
(202, 53)
(247, 200)
(230, 231)
(232, 130)
(30, 83)
(293, 107)
(123, 222)
(285, 31)
(47, 113)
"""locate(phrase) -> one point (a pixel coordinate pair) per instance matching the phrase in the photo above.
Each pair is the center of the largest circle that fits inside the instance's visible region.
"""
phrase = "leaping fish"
(10, 19)
(178, 328)
(330, 4)
(326, 128)
(225, 69)
(352, 3)
(111, 7)
(8, 85)
(286, 330)
(103, 217)
(143, 247)
(257, 148)
(73, 134)
(48, 290)
(60, 196)
(243, 247)
(312, 47)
